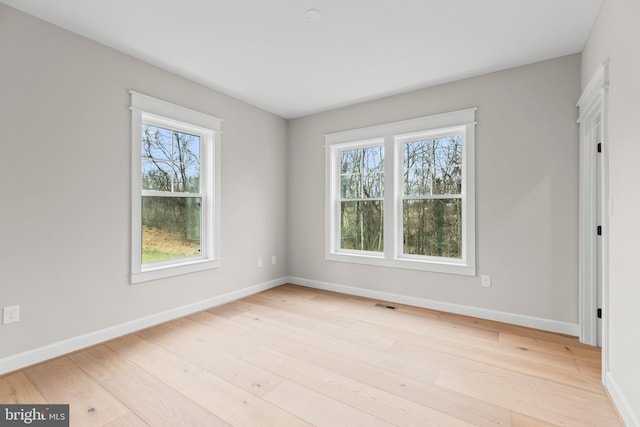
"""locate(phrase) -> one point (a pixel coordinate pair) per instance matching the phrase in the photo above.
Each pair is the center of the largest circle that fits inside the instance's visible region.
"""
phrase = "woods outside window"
(402, 194)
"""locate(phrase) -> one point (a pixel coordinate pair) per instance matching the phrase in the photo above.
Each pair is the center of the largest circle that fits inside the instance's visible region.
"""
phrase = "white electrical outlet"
(486, 281)
(259, 262)
(10, 314)
(273, 259)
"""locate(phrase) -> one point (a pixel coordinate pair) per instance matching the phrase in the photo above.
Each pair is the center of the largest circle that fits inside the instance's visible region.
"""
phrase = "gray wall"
(616, 37)
(526, 187)
(66, 202)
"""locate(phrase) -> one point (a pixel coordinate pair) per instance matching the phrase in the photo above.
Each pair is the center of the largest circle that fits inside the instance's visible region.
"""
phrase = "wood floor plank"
(102, 363)
(415, 386)
(319, 409)
(476, 350)
(16, 388)
(438, 351)
(231, 403)
(271, 310)
(590, 369)
(456, 343)
(294, 356)
(366, 310)
(153, 401)
(386, 406)
(273, 328)
(536, 398)
(224, 310)
(521, 420)
(417, 311)
(61, 381)
(303, 297)
(175, 338)
(505, 327)
(129, 420)
(223, 324)
(158, 404)
(576, 350)
(319, 315)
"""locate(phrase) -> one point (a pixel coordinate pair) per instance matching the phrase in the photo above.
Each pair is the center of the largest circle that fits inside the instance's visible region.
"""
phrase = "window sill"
(161, 272)
(408, 264)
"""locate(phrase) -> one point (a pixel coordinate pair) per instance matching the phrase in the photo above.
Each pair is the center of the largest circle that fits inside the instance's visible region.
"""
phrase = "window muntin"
(176, 179)
(426, 198)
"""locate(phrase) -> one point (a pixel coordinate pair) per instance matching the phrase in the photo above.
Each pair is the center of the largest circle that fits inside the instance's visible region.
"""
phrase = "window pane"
(433, 227)
(156, 143)
(362, 173)
(350, 186)
(433, 166)
(192, 178)
(170, 228)
(361, 225)
(186, 161)
(170, 160)
(156, 175)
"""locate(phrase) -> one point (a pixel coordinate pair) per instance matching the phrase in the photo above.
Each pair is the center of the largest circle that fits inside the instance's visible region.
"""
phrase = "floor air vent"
(390, 307)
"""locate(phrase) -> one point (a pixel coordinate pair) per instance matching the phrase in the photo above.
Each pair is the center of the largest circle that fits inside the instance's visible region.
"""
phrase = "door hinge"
(599, 313)
(599, 231)
(599, 147)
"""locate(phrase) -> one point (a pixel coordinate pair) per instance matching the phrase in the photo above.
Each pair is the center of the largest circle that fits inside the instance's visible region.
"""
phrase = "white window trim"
(391, 135)
(378, 142)
(149, 109)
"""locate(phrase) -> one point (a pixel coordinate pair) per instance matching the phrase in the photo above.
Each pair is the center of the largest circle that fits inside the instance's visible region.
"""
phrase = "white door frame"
(593, 109)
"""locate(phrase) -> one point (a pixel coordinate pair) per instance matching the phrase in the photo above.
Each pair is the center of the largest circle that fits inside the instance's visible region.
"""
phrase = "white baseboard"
(630, 418)
(499, 316)
(22, 360)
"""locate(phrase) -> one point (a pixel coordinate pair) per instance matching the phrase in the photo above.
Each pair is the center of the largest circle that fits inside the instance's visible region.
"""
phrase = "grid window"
(432, 197)
(175, 198)
(361, 199)
(403, 194)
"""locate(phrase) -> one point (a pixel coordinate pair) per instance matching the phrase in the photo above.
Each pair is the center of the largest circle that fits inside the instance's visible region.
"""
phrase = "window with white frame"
(361, 198)
(175, 206)
(402, 194)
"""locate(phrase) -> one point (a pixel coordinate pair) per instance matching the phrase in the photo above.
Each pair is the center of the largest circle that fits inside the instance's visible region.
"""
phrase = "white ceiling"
(265, 52)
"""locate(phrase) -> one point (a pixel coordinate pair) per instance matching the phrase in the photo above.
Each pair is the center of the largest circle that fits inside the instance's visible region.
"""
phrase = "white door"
(599, 205)
(593, 213)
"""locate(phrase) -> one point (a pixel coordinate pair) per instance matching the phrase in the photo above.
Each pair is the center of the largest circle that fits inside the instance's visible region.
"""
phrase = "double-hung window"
(175, 209)
(362, 197)
(403, 194)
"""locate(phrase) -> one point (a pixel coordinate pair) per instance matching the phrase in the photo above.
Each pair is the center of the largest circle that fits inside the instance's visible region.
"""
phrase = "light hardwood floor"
(295, 356)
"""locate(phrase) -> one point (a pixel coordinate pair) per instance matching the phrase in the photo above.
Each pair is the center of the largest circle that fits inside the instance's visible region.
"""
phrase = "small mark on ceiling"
(313, 15)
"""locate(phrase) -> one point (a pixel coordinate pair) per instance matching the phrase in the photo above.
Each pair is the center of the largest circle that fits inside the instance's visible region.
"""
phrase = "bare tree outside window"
(402, 194)
(432, 202)
(361, 199)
